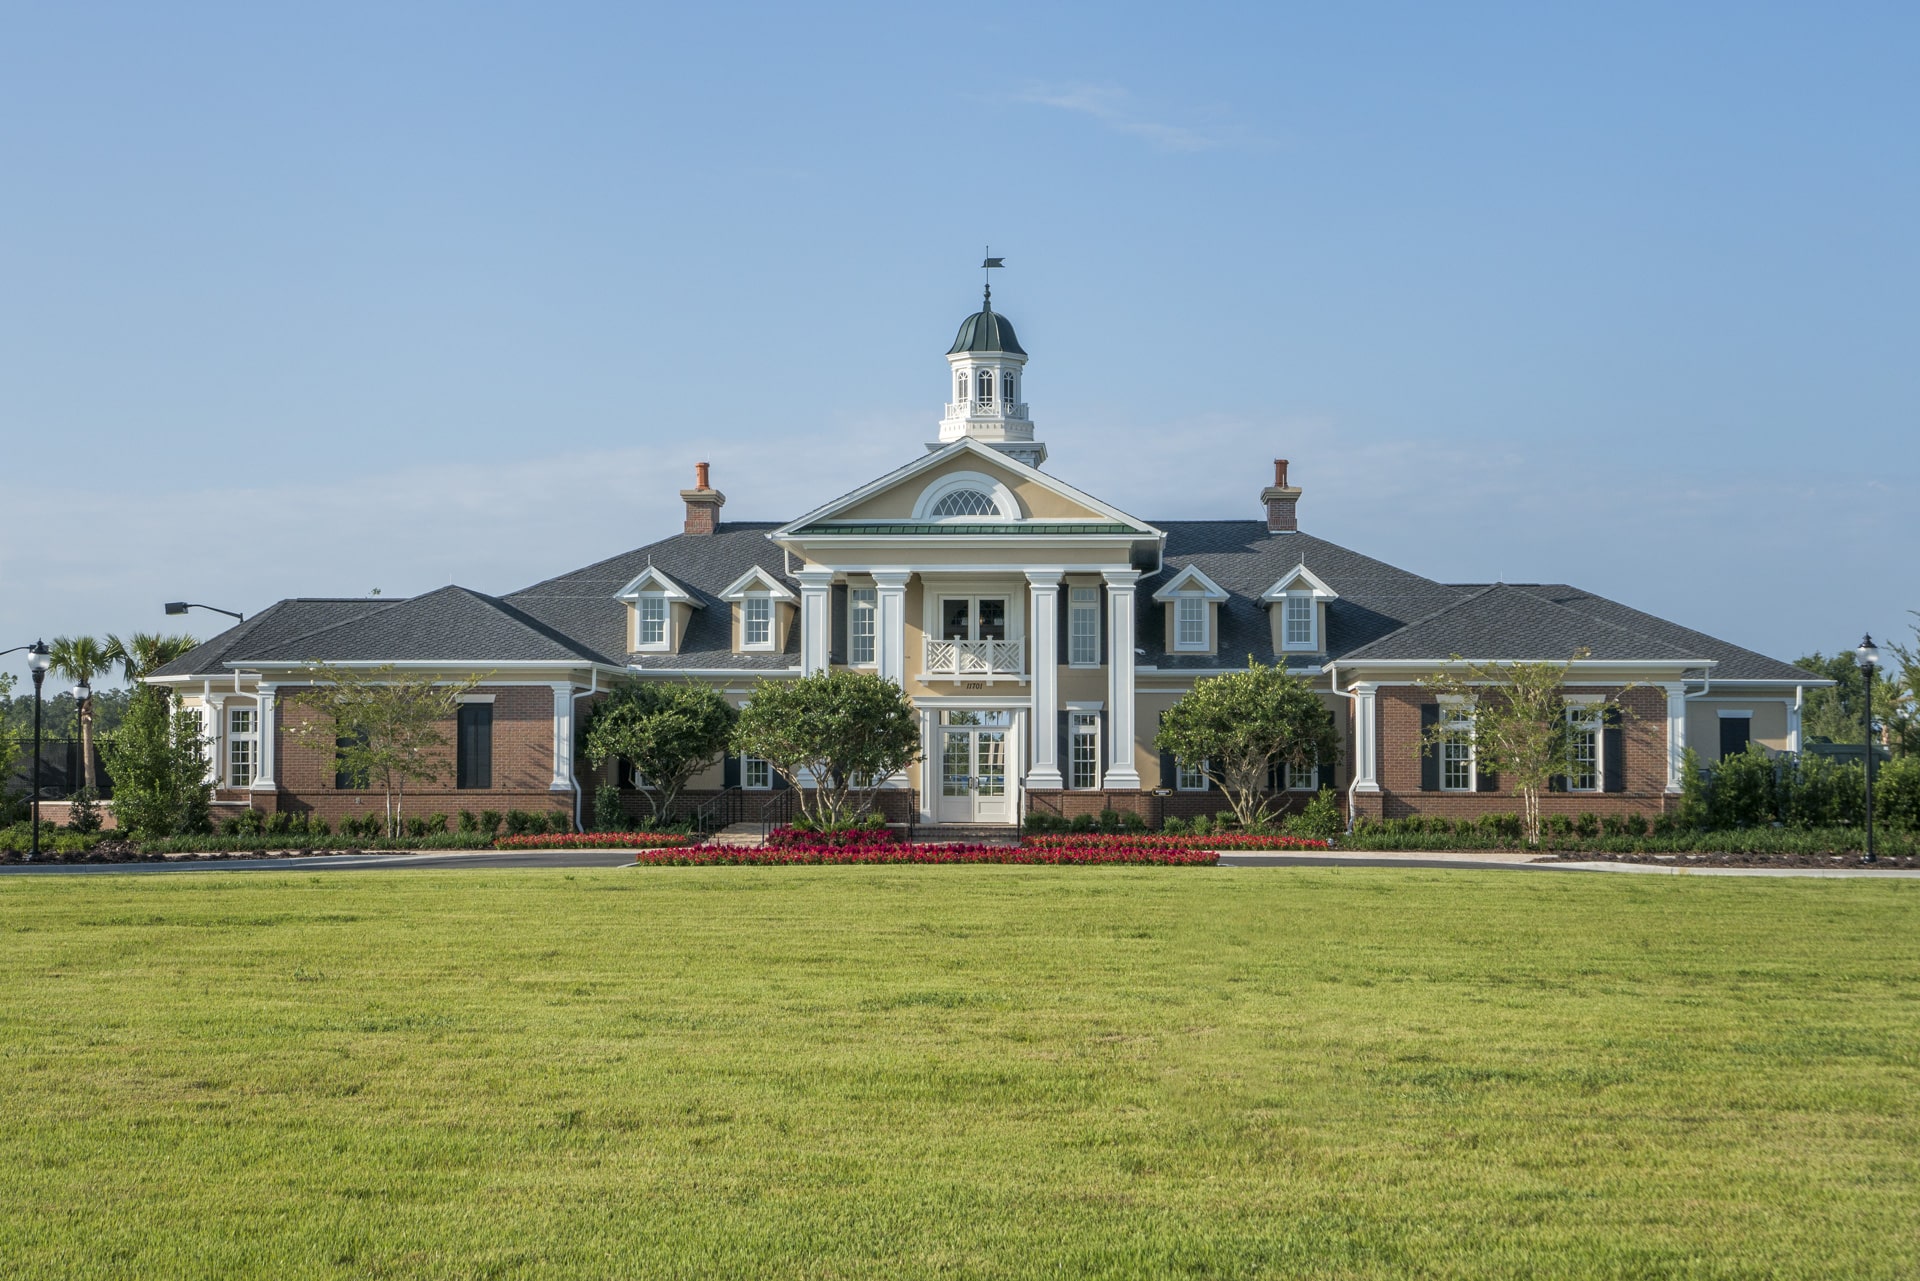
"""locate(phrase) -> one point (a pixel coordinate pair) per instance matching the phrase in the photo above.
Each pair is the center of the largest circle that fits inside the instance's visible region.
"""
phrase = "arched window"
(960, 389)
(986, 386)
(964, 502)
(1006, 388)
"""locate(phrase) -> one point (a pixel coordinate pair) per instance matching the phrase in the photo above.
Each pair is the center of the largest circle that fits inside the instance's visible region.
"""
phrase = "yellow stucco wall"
(1037, 502)
(1703, 723)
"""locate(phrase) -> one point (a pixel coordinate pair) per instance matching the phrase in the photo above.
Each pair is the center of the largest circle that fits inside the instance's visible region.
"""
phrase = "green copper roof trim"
(986, 330)
(1042, 527)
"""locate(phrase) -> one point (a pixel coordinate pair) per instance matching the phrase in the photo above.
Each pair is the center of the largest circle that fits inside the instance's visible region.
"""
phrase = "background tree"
(840, 733)
(141, 654)
(9, 750)
(1517, 716)
(158, 757)
(1833, 715)
(1899, 703)
(668, 732)
(1238, 728)
(378, 724)
(80, 659)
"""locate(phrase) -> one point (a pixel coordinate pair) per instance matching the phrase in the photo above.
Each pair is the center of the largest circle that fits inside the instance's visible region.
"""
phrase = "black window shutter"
(1429, 750)
(730, 771)
(1613, 751)
(474, 767)
(1735, 733)
(1063, 728)
(1558, 783)
(1066, 623)
(779, 780)
(1106, 748)
(1100, 626)
(837, 647)
(1486, 782)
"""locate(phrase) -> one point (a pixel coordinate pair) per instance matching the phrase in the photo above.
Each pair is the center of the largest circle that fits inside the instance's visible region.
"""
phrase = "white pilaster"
(816, 619)
(216, 727)
(1120, 695)
(562, 737)
(1676, 734)
(890, 624)
(1366, 737)
(1043, 627)
(263, 778)
(1793, 720)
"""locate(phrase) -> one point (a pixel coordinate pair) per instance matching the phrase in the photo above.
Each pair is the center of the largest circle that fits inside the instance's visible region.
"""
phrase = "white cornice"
(1191, 582)
(766, 582)
(662, 584)
(1299, 574)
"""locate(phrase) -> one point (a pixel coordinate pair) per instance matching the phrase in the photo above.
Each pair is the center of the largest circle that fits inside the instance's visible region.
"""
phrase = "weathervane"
(987, 268)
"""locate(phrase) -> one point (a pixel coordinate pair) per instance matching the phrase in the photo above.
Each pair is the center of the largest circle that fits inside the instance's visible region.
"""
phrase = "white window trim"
(1074, 610)
(1313, 776)
(1204, 643)
(1179, 778)
(1287, 601)
(872, 602)
(640, 603)
(755, 787)
(234, 738)
(1453, 719)
(1585, 706)
(1004, 502)
(1099, 744)
(747, 601)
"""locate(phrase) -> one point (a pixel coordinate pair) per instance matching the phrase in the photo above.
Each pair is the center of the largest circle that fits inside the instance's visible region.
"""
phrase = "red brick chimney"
(1281, 498)
(703, 502)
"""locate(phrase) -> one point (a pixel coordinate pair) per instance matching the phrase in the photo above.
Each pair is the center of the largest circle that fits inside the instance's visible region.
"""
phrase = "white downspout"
(579, 797)
(1333, 670)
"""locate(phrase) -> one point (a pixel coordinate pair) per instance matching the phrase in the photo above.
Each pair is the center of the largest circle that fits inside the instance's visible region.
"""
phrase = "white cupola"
(986, 364)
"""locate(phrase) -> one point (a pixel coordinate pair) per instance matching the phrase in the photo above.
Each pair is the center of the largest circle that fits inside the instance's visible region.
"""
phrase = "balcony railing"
(974, 659)
(987, 409)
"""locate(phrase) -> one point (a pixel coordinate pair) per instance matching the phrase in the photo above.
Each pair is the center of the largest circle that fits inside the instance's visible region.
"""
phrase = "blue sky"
(306, 303)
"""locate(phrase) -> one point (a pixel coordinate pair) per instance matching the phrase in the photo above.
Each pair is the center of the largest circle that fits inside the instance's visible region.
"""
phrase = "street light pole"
(39, 658)
(1869, 658)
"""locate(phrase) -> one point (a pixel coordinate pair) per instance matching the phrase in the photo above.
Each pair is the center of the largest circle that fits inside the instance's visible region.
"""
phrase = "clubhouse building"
(1040, 632)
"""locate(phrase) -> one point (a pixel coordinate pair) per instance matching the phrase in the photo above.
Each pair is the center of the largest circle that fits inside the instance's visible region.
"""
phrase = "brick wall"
(1644, 726)
(522, 765)
(1154, 809)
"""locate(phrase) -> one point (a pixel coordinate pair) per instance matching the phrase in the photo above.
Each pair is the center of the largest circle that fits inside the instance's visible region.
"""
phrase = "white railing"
(969, 659)
(987, 409)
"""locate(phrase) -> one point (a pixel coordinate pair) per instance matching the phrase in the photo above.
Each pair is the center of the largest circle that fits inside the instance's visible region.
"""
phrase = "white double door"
(976, 767)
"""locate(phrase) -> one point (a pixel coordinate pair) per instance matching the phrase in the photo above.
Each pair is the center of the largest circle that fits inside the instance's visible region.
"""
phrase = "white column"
(1120, 709)
(1793, 720)
(1676, 734)
(216, 727)
(263, 777)
(562, 737)
(816, 619)
(890, 624)
(1043, 613)
(1366, 737)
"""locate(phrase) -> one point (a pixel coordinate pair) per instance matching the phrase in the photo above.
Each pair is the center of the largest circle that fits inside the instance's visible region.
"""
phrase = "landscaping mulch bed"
(1853, 860)
(127, 852)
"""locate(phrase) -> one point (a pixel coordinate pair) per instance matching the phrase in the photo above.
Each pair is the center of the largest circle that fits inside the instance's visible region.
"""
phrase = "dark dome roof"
(986, 330)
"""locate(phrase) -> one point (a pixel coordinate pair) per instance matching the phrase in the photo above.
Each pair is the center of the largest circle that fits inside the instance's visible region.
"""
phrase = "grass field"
(885, 1072)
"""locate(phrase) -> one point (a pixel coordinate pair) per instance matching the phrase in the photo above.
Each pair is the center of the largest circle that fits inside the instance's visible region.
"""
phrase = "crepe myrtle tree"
(1516, 716)
(1237, 728)
(667, 732)
(836, 736)
(381, 726)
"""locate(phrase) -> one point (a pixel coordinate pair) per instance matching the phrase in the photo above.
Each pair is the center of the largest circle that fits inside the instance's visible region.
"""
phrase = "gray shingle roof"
(581, 604)
(1502, 622)
(450, 624)
(272, 626)
(1735, 662)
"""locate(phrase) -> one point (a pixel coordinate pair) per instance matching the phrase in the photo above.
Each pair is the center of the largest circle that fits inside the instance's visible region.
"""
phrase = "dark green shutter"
(1063, 722)
(1100, 626)
(1429, 750)
(1485, 782)
(474, 746)
(730, 771)
(1065, 626)
(842, 626)
(1613, 751)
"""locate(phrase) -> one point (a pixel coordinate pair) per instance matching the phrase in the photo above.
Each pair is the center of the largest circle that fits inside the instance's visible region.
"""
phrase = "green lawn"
(887, 1072)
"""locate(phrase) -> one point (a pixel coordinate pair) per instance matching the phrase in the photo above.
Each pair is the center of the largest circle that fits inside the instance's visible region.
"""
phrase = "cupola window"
(986, 386)
(960, 389)
(1006, 387)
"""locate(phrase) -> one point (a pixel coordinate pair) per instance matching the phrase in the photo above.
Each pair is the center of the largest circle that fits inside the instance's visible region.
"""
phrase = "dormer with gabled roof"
(1297, 609)
(1192, 604)
(658, 610)
(763, 612)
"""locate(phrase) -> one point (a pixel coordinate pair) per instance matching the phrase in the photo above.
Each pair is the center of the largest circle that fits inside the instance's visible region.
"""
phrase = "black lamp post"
(181, 607)
(1869, 659)
(39, 658)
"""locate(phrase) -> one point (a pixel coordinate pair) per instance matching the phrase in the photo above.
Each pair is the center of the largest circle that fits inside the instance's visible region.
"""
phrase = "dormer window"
(1299, 621)
(1190, 598)
(1297, 604)
(650, 614)
(1190, 622)
(756, 622)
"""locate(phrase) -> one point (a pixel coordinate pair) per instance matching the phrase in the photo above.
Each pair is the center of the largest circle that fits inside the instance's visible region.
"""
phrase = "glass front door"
(973, 767)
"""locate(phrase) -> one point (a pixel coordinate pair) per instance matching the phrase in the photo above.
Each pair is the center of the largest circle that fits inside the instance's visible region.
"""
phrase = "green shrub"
(248, 822)
(1587, 825)
(1082, 823)
(1693, 810)
(1896, 793)
(1175, 826)
(607, 814)
(83, 816)
(521, 823)
(469, 823)
(1743, 792)
(18, 839)
(1320, 819)
(1818, 791)
(490, 821)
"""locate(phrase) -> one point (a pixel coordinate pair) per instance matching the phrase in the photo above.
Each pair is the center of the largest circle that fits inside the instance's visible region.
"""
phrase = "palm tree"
(80, 659)
(144, 653)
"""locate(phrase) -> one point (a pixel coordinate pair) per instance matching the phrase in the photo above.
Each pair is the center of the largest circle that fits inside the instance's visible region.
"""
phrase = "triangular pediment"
(652, 580)
(1299, 579)
(757, 579)
(998, 489)
(1191, 582)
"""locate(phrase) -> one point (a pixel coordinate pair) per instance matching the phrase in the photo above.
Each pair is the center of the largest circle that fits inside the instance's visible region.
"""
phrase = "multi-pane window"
(653, 621)
(473, 746)
(1190, 622)
(757, 622)
(965, 502)
(1190, 778)
(243, 746)
(755, 774)
(986, 386)
(863, 604)
(1299, 621)
(1083, 761)
(1456, 753)
(960, 389)
(1006, 387)
(1302, 778)
(1083, 627)
(1583, 728)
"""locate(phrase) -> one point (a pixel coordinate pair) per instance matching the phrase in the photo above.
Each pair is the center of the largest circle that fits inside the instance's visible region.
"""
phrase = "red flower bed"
(790, 837)
(1159, 841)
(900, 852)
(592, 841)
